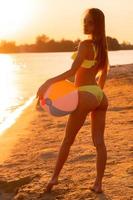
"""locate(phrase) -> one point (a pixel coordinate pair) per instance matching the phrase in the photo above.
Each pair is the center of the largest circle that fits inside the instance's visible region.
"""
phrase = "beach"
(29, 149)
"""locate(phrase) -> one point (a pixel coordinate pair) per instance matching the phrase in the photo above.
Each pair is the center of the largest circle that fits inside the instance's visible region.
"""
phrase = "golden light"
(7, 86)
(9, 91)
(14, 15)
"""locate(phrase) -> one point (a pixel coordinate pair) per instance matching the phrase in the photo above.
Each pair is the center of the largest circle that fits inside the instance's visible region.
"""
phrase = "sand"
(29, 150)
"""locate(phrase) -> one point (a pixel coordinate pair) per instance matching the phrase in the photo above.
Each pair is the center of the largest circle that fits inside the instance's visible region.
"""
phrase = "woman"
(91, 96)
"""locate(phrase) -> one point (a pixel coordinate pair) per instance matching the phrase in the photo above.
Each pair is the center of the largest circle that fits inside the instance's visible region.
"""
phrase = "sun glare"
(14, 15)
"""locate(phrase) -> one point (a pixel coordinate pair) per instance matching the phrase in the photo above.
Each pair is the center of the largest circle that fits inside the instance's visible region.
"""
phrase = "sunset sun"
(14, 16)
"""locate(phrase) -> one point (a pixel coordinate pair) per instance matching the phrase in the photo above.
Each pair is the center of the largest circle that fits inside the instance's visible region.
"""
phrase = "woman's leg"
(98, 117)
(75, 121)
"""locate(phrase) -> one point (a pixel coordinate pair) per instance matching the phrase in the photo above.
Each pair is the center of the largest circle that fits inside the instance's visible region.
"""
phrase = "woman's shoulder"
(83, 47)
(86, 42)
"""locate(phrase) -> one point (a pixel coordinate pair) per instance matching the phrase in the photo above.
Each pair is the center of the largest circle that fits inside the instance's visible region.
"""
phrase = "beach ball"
(61, 98)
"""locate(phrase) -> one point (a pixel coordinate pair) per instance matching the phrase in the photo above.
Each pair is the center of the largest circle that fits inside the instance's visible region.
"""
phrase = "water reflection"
(8, 89)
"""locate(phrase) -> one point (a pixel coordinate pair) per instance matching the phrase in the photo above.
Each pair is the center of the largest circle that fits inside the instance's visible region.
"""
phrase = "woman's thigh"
(98, 118)
(86, 103)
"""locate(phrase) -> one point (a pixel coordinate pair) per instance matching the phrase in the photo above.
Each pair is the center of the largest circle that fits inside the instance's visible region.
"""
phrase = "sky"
(23, 20)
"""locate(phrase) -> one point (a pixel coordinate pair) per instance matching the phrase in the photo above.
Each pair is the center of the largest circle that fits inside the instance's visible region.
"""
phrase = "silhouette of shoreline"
(44, 44)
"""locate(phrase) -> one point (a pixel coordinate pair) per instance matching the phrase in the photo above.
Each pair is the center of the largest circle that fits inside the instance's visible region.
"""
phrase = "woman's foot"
(96, 188)
(51, 183)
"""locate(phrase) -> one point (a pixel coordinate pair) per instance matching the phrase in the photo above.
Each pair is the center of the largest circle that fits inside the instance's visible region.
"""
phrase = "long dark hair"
(99, 37)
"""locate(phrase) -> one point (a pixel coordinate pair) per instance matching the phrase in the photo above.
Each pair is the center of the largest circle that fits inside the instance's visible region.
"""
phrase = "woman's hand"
(43, 89)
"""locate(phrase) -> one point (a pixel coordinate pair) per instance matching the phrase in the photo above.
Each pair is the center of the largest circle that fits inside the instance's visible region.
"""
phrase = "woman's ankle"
(98, 181)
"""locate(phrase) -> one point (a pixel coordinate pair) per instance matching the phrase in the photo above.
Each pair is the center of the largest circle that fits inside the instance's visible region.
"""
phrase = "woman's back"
(86, 74)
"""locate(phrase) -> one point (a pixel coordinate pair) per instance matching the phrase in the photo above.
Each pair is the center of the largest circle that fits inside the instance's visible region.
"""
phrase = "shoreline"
(10, 136)
(11, 119)
(30, 146)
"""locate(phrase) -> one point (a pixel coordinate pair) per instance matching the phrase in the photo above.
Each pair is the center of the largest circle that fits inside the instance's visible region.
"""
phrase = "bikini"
(94, 89)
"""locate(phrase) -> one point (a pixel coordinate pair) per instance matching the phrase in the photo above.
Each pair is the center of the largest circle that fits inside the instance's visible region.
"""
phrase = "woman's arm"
(103, 76)
(75, 65)
(71, 78)
(101, 80)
